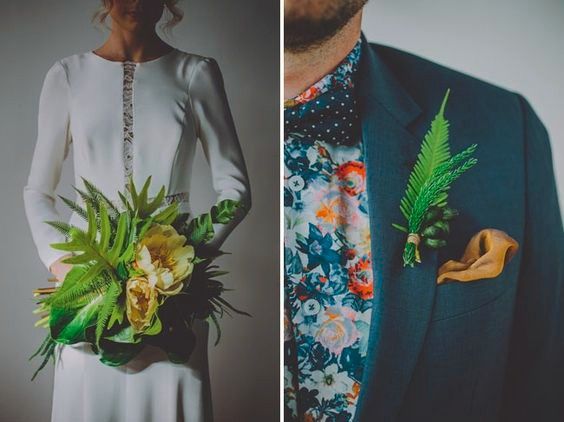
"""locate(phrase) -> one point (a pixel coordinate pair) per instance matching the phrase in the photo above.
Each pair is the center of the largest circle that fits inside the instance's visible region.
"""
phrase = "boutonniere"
(424, 204)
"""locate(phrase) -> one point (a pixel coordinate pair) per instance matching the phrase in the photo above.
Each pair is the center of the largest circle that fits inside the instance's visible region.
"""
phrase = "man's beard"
(308, 23)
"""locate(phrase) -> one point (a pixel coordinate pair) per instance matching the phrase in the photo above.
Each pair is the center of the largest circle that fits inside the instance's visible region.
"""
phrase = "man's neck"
(303, 69)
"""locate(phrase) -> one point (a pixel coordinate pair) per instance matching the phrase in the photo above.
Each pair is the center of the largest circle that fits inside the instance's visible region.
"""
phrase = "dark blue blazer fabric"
(488, 350)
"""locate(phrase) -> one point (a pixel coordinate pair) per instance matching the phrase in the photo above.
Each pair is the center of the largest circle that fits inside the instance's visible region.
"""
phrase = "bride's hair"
(171, 8)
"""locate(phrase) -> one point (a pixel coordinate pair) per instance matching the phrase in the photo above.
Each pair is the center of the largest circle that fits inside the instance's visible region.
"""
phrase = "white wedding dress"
(132, 119)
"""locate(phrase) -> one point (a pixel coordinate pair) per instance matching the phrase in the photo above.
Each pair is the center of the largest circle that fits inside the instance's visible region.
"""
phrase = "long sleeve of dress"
(216, 130)
(51, 149)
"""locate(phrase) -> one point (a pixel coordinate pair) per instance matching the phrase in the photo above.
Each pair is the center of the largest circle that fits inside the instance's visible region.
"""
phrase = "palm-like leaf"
(140, 204)
(168, 215)
(435, 151)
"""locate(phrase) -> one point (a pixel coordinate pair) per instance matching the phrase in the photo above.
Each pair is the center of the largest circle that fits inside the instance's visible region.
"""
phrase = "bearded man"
(477, 338)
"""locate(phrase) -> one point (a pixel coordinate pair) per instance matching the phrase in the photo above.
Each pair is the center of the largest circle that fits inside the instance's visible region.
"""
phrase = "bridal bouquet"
(140, 275)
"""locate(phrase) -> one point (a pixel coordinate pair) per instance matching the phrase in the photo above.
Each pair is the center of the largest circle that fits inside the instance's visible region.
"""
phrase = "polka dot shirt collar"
(327, 111)
(342, 76)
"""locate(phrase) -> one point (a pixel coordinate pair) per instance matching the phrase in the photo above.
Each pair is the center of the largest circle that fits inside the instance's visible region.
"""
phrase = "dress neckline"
(121, 62)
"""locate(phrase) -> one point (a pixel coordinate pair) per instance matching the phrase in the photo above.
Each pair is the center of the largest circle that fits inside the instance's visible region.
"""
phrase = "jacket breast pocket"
(454, 298)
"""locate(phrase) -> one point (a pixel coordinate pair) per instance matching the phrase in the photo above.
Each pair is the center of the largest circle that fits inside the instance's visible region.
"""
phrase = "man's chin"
(314, 22)
(301, 41)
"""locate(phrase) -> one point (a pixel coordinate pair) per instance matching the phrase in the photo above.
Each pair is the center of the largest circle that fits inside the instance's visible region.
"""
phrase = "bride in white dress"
(134, 107)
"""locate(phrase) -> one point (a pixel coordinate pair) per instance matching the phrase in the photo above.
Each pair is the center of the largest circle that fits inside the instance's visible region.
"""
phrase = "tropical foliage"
(141, 273)
(424, 205)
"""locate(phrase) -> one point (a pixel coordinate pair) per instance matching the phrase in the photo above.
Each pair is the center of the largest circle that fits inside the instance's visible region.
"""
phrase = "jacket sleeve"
(534, 384)
(216, 131)
(51, 149)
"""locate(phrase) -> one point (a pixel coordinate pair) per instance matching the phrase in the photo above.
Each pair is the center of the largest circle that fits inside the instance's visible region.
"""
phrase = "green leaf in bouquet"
(42, 347)
(68, 325)
(197, 260)
(71, 246)
(140, 203)
(92, 227)
(178, 358)
(99, 198)
(168, 215)
(74, 207)
(224, 211)
(142, 197)
(132, 231)
(71, 278)
(47, 350)
(80, 241)
(213, 319)
(125, 335)
(121, 271)
(105, 228)
(78, 259)
(209, 254)
(119, 240)
(154, 205)
(79, 282)
(227, 305)
(155, 328)
(109, 302)
(145, 226)
(217, 273)
(118, 354)
(127, 205)
(200, 230)
(89, 202)
(132, 191)
(117, 313)
(60, 226)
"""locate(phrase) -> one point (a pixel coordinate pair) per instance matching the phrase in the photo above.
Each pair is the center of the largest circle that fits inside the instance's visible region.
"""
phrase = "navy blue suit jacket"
(488, 350)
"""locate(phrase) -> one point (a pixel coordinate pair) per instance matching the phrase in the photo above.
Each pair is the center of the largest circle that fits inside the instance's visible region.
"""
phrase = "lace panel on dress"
(128, 73)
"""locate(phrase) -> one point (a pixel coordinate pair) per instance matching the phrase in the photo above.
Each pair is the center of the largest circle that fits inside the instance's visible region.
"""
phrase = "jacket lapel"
(403, 297)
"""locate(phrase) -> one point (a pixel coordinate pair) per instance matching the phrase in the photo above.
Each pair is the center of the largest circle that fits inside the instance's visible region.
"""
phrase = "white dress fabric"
(132, 119)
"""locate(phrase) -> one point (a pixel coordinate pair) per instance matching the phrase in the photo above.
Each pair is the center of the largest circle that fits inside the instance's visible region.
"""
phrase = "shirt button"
(311, 307)
(296, 182)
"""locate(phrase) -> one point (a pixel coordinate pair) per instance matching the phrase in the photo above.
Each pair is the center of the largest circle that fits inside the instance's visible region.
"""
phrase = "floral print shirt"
(327, 262)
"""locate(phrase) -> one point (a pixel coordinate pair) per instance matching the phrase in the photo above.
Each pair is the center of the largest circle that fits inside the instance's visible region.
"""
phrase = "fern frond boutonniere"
(424, 204)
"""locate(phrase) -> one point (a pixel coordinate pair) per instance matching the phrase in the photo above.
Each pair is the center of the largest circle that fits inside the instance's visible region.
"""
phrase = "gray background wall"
(243, 37)
(516, 44)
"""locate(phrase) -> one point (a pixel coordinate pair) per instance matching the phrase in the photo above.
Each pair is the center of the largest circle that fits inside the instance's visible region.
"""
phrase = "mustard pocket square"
(484, 257)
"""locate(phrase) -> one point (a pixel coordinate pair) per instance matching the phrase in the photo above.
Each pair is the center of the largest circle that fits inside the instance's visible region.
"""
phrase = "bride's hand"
(59, 269)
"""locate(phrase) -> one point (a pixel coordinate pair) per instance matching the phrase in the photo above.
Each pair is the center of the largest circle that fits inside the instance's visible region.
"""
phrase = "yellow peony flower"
(141, 302)
(165, 259)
